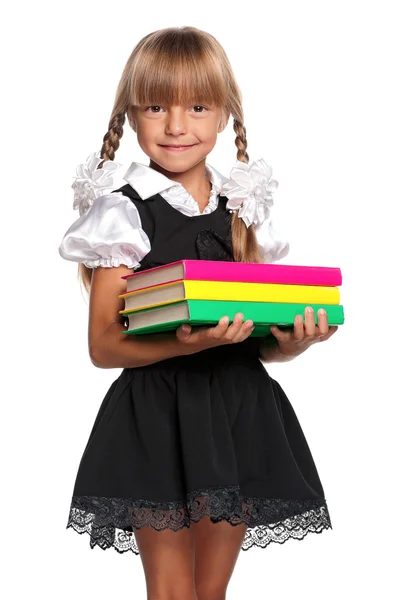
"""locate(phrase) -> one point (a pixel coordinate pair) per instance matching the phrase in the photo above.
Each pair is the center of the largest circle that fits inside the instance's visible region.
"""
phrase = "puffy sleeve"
(273, 245)
(108, 235)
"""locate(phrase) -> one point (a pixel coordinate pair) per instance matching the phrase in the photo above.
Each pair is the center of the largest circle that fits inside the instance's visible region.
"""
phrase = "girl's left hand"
(293, 343)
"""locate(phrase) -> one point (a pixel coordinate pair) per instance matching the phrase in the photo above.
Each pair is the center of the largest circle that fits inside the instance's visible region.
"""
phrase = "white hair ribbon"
(249, 190)
(91, 182)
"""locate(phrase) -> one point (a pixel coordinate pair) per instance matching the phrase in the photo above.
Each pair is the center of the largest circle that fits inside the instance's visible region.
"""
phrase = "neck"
(194, 181)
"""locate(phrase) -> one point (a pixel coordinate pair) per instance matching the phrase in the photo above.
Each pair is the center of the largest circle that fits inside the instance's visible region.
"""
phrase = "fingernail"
(322, 311)
(309, 310)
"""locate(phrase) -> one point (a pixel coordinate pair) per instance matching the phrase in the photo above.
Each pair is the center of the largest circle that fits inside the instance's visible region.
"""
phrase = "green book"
(208, 312)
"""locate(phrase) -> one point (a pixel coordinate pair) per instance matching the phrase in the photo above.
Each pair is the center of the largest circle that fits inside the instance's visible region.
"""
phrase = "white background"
(317, 84)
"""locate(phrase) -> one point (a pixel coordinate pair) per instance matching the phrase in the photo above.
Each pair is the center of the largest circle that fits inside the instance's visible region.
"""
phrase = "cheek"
(147, 138)
(210, 138)
(146, 131)
(207, 133)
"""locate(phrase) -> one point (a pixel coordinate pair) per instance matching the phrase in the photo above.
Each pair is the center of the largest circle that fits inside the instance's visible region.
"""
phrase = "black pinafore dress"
(206, 434)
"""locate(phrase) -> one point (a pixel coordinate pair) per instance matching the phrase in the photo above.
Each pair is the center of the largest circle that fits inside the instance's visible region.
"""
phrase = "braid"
(244, 241)
(112, 137)
(241, 141)
(108, 149)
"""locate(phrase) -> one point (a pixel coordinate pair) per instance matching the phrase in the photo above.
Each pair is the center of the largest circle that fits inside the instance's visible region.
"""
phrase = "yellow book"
(177, 291)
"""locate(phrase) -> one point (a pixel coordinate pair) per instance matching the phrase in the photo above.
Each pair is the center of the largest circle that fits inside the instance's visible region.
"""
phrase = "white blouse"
(110, 233)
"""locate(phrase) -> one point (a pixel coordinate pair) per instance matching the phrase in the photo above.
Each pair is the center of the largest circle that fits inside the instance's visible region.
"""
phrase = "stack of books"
(200, 292)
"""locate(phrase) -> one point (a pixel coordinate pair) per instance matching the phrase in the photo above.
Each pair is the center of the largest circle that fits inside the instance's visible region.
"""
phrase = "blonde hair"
(178, 65)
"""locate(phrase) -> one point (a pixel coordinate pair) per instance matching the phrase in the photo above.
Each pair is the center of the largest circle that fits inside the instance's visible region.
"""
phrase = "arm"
(108, 347)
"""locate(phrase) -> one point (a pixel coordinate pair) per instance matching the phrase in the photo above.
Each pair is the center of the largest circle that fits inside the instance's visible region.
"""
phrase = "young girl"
(196, 451)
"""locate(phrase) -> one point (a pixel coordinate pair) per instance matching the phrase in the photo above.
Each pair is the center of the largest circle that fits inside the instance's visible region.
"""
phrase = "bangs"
(177, 72)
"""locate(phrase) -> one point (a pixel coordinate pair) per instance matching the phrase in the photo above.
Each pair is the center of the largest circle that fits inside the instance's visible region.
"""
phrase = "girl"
(196, 451)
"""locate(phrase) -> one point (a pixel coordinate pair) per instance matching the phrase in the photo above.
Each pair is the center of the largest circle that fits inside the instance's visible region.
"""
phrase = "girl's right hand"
(209, 337)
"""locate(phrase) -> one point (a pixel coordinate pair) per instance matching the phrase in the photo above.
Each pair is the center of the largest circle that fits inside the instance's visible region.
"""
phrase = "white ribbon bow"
(90, 182)
(249, 190)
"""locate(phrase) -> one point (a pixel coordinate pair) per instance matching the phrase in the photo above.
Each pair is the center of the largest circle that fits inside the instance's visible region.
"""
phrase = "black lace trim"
(110, 521)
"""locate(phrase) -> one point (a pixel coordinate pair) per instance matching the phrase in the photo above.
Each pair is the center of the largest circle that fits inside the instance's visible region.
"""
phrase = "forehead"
(178, 82)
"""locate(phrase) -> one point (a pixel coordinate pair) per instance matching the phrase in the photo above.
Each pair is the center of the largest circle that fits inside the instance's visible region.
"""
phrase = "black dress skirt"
(206, 434)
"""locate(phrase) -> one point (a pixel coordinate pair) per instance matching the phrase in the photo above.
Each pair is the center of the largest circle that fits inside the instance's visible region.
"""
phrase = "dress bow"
(90, 182)
(249, 190)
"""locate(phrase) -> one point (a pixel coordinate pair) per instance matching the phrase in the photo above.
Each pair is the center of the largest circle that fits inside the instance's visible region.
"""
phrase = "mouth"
(176, 147)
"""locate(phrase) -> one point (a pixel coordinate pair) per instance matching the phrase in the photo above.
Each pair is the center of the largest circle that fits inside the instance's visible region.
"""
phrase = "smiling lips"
(174, 148)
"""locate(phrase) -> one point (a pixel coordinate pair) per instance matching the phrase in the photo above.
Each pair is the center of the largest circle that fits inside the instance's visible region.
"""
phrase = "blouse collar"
(147, 181)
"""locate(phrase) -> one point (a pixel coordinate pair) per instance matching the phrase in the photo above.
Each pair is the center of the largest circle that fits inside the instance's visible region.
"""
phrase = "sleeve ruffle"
(273, 245)
(108, 235)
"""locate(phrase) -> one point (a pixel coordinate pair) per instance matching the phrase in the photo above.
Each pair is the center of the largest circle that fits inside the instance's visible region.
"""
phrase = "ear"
(224, 121)
(131, 119)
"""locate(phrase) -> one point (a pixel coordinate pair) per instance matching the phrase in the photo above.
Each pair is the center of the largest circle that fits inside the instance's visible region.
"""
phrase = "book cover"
(259, 330)
(205, 270)
(227, 290)
(209, 312)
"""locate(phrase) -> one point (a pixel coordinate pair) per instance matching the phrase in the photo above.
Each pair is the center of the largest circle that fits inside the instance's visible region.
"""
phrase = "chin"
(171, 164)
(189, 157)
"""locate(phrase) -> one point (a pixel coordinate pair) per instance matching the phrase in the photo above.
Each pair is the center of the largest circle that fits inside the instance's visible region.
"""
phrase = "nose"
(176, 122)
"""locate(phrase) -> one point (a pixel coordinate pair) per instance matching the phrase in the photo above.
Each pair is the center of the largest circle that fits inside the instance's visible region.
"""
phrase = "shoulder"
(128, 192)
(108, 234)
(145, 206)
(115, 208)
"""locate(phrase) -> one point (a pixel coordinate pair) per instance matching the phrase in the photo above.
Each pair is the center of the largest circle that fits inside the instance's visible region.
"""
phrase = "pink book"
(215, 270)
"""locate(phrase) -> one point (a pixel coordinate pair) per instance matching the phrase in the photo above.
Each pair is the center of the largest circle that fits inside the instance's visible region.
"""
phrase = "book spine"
(260, 292)
(260, 312)
(261, 273)
(158, 268)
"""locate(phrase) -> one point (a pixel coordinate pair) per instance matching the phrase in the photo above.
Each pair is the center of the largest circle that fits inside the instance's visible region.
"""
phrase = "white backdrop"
(317, 84)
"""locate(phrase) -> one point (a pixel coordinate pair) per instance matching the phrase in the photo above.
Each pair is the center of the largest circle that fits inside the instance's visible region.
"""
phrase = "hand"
(222, 333)
(293, 343)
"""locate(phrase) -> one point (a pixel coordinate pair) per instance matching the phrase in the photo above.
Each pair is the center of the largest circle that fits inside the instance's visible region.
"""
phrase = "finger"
(298, 331)
(183, 332)
(235, 327)
(245, 331)
(220, 329)
(322, 328)
(280, 334)
(309, 322)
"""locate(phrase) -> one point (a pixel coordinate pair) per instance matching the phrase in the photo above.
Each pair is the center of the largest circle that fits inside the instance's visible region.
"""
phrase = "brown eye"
(153, 106)
(199, 106)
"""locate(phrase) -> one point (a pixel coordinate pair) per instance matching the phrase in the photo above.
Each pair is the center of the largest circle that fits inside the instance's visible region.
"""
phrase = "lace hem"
(110, 521)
